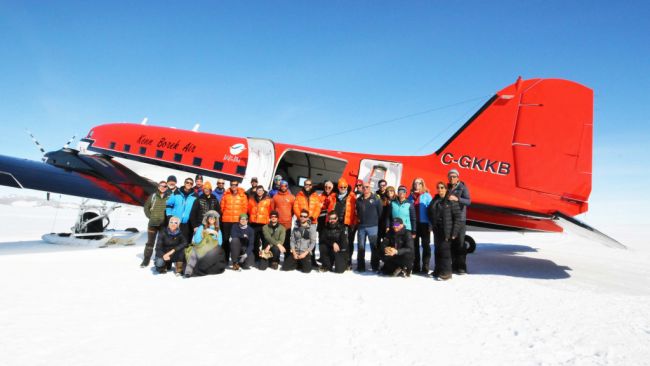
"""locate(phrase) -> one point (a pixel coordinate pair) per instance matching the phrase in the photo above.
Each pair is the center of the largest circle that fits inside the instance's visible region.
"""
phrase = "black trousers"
(186, 231)
(226, 228)
(152, 232)
(423, 236)
(442, 253)
(458, 251)
(352, 233)
(257, 241)
(213, 262)
(287, 243)
(264, 263)
(239, 246)
(393, 262)
(338, 259)
(303, 264)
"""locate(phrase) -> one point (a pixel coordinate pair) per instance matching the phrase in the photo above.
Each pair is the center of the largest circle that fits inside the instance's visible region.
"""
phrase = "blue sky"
(291, 71)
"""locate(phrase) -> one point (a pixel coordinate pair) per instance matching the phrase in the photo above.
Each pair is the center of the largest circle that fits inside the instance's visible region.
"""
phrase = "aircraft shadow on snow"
(504, 260)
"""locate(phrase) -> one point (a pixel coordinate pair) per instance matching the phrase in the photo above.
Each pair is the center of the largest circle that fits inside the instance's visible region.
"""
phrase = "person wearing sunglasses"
(308, 199)
(345, 207)
(172, 189)
(206, 202)
(205, 256)
(220, 190)
(302, 242)
(402, 208)
(233, 204)
(459, 192)
(397, 251)
(170, 247)
(154, 209)
(421, 199)
(446, 221)
(333, 245)
(368, 211)
(386, 200)
(273, 234)
(283, 202)
(241, 244)
(181, 205)
(259, 210)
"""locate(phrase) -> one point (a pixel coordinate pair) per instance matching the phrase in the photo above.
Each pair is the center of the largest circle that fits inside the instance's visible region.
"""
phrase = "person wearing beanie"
(401, 208)
(277, 180)
(345, 208)
(198, 185)
(170, 247)
(283, 202)
(459, 192)
(387, 199)
(397, 251)
(181, 205)
(251, 191)
(207, 201)
(154, 209)
(172, 189)
(241, 244)
(220, 190)
(205, 256)
(273, 242)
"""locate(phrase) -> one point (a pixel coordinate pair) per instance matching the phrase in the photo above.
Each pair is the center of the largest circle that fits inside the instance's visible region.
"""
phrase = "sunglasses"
(453, 176)
(366, 187)
(162, 185)
(442, 187)
(220, 183)
(304, 216)
(188, 182)
(334, 219)
(343, 187)
(274, 217)
(307, 184)
(174, 222)
(233, 185)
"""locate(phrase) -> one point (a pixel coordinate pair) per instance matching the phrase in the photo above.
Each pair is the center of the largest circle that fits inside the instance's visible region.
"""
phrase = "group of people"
(202, 230)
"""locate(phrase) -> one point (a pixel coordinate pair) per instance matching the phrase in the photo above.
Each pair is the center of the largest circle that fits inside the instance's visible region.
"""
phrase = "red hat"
(359, 181)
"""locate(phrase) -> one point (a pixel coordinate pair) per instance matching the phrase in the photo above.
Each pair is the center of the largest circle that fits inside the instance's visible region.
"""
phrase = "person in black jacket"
(170, 246)
(368, 212)
(241, 244)
(445, 220)
(206, 202)
(459, 192)
(398, 251)
(333, 245)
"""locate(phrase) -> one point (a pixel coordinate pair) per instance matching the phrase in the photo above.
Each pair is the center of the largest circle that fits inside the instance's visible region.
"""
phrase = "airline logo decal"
(237, 149)
(475, 163)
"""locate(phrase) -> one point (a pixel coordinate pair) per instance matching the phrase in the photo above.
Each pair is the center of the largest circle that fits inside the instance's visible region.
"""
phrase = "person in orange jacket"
(259, 210)
(308, 199)
(233, 203)
(345, 208)
(283, 202)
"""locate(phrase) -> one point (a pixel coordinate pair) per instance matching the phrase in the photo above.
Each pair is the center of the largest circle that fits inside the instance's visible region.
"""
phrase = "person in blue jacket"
(402, 208)
(421, 199)
(205, 256)
(181, 206)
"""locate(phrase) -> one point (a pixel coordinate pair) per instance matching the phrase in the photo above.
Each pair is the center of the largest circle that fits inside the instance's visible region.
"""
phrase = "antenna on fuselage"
(144, 121)
(196, 127)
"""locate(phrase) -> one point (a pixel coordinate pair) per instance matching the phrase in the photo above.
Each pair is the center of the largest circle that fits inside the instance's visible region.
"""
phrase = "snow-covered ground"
(533, 299)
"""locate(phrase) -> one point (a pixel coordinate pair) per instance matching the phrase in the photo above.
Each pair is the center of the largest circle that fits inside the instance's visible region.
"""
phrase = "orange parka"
(259, 209)
(312, 204)
(233, 205)
(350, 208)
(283, 203)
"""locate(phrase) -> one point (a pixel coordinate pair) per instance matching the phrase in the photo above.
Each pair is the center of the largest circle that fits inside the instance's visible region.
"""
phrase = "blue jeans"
(371, 233)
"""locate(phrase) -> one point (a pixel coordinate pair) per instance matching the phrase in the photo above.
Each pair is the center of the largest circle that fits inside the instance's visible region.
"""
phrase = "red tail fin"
(535, 135)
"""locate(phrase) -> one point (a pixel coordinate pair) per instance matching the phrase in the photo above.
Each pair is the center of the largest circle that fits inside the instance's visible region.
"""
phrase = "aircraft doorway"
(375, 170)
(296, 166)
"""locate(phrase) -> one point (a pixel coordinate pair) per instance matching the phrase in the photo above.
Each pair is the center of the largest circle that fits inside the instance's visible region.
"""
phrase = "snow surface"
(533, 299)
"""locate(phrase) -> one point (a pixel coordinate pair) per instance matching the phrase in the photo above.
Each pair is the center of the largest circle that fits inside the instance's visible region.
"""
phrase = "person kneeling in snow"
(205, 256)
(303, 240)
(398, 251)
(169, 247)
(241, 244)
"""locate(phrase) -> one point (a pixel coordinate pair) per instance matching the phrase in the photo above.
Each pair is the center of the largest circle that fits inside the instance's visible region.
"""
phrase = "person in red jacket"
(283, 202)
(233, 204)
(345, 208)
(259, 210)
(308, 199)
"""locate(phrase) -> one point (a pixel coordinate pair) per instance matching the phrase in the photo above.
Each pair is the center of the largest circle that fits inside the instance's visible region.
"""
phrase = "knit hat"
(342, 182)
(198, 176)
(359, 182)
(284, 183)
(172, 178)
(398, 221)
(274, 213)
(402, 188)
(453, 171)
(207, 185)
(243, 216)
(277, 177)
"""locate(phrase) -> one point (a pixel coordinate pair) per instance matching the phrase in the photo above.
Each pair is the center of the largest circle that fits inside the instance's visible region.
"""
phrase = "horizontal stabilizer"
(574, 225)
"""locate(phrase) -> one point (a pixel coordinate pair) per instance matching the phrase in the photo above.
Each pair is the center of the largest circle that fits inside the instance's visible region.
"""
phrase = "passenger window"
(143, 150)
(159, 154)
(197, 161)
(127, 147)
(178, 157)
(218, 165)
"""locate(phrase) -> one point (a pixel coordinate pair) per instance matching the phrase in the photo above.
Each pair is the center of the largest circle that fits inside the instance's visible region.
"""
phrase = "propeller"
(38, 145)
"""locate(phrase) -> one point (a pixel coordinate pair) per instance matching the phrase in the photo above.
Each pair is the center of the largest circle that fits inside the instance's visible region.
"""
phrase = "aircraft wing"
(67, 172)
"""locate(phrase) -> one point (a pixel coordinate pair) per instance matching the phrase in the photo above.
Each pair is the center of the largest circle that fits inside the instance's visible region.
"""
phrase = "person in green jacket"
(273, 235)
(154, 209)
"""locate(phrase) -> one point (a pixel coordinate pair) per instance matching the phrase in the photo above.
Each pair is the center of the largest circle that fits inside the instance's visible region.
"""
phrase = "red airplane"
(525, 156)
